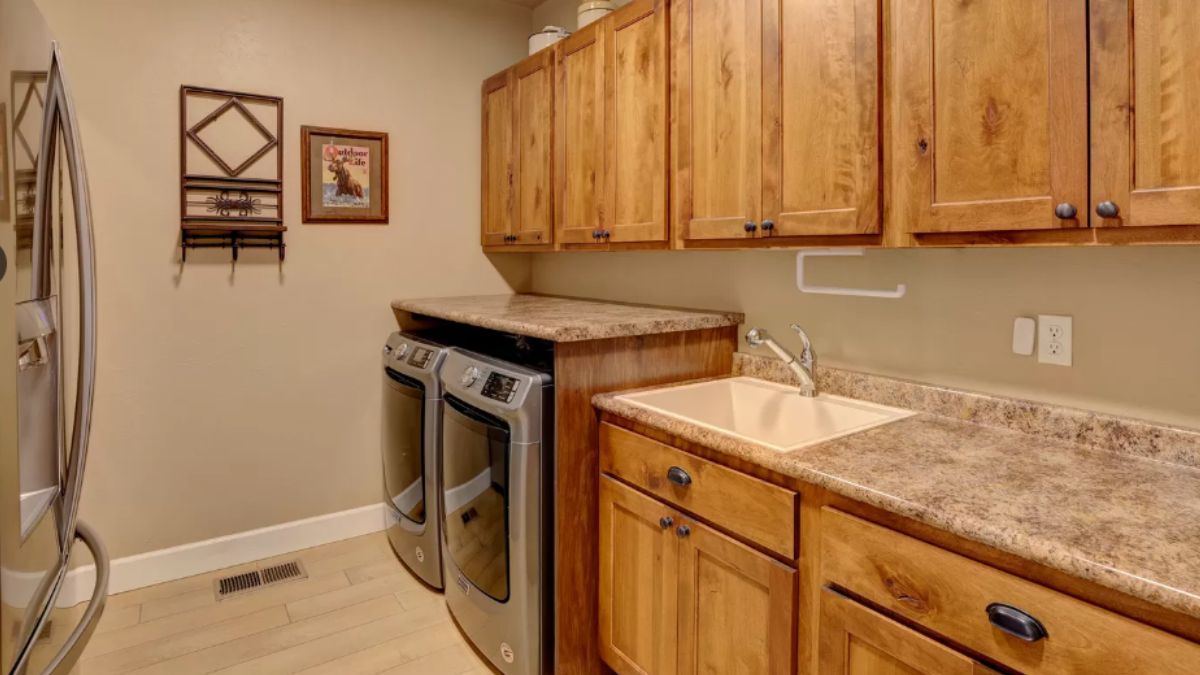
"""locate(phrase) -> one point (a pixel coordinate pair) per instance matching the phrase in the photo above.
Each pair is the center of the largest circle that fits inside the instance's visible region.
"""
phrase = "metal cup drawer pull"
(1016, 622)
(678, 476)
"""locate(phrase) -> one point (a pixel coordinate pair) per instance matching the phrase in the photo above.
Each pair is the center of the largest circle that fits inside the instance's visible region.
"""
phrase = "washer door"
(475, 458)
(403, 445)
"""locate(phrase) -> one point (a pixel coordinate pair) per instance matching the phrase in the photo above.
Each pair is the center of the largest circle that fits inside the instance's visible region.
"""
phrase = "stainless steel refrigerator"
(48, 330)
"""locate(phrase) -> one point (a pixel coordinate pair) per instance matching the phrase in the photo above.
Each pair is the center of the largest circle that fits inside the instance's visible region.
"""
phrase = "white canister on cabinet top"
(594, 10)
(546, 37)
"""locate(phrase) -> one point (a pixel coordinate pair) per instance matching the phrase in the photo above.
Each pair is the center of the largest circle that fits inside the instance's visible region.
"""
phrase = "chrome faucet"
(804, 366)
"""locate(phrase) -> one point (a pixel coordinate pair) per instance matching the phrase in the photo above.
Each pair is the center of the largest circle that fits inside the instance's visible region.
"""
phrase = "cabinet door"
(737, 608)
(497, 204)
(821, 173)
(857, 641)
(638, 583)
(1145, 97)
(717, 132)
(533, 92)
(579, 137)
(636, 121)
(989, 106)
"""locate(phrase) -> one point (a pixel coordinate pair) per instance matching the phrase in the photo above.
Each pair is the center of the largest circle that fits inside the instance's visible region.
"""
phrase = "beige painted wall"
(235, 398)
(1136, 311)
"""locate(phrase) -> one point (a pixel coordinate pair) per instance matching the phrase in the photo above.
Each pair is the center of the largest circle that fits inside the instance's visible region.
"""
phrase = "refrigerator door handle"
(69, 655)
(59, 117)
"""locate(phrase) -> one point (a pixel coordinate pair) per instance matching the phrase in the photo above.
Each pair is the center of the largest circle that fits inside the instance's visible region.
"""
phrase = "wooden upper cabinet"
(636, 122)
(579, 137)
(1145, 103)
(638, 582)
(717, 139)
(777, 119)
(821, 110)
(858, 641)
(497, 204)
(533, 93)
(737, 607)
(611, 142)
(989, 110)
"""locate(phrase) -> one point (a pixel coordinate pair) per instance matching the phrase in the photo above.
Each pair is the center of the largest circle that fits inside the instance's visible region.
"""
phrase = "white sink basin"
(766, 413)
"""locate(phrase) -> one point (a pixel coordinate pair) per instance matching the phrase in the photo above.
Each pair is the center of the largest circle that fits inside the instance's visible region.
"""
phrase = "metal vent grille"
(283, 572)
(266, 576)
(238, 583)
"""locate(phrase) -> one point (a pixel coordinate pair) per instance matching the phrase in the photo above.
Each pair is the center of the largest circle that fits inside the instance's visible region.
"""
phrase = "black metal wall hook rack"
(233, 237)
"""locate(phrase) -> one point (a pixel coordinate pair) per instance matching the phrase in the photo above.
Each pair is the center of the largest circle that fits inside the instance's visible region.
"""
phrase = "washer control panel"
(500, 387)
(420, 357)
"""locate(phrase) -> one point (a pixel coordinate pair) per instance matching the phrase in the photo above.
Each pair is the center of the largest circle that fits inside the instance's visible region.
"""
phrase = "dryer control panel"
(500, 387)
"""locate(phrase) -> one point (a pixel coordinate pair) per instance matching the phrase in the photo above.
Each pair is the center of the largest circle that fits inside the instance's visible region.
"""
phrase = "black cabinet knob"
(1107, 210)
(679, 477)
(750, 226)
(683, 531)
(1016, 622)
(1065, 211)
(606, 233)
(666, 521)
(768, 225)
(595, 234)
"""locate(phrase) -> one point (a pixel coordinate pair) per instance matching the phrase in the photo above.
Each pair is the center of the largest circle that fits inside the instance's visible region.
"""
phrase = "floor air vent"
(266, 576)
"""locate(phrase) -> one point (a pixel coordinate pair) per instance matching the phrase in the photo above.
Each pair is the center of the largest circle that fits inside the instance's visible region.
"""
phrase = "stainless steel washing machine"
(412, 421)
(497, 496)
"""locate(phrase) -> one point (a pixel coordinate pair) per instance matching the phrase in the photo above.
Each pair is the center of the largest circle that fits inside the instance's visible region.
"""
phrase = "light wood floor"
(359, 611)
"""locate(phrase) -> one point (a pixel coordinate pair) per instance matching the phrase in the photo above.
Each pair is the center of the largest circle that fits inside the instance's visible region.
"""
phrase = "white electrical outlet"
(1054, 340)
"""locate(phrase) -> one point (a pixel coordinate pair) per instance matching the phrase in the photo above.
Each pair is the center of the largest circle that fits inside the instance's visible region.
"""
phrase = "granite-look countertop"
(1122, 521)
(565, 319)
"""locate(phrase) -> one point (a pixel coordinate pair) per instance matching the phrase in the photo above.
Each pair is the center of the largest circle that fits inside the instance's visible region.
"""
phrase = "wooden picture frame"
(343, 176)
(6, 184)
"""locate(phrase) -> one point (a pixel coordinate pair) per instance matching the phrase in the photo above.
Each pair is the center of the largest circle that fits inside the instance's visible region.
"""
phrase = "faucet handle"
(756, 336)
(808, 355)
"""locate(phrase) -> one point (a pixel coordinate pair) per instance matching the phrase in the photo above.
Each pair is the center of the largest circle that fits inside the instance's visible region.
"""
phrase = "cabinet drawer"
(950, 595)
(748, 507)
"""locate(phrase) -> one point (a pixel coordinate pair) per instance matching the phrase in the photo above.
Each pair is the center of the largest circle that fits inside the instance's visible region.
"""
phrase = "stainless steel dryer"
(497, 497)
(412, 421)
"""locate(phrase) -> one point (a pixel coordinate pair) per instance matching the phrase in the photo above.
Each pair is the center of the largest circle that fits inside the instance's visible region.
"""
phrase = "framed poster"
(344, 176)
(6, 186)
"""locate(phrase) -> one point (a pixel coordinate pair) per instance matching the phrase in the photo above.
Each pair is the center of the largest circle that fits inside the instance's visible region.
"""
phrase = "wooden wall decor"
(231, 170)
(28, 89)
(5, 179)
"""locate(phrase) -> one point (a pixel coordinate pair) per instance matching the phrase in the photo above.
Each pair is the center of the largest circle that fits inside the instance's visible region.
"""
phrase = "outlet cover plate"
(1054, 340)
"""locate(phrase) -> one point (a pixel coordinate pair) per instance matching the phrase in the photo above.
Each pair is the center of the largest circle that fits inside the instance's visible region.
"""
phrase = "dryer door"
(475, 458)
(403, 445)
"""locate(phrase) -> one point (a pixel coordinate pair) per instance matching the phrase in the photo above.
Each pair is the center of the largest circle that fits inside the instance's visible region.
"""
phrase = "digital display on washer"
(420, 357)
(500, 387)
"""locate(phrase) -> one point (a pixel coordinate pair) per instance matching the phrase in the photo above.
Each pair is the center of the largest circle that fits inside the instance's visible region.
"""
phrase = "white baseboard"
(177, 562)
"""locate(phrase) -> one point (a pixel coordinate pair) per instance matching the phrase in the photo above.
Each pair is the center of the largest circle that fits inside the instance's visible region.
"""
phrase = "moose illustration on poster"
(346, 180)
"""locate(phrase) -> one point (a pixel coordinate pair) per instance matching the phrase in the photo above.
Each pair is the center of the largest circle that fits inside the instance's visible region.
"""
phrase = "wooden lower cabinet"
(858, 641)
(676, 596)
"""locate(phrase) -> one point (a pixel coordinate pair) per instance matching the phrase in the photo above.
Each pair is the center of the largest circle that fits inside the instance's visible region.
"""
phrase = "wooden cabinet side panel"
(583, 369)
